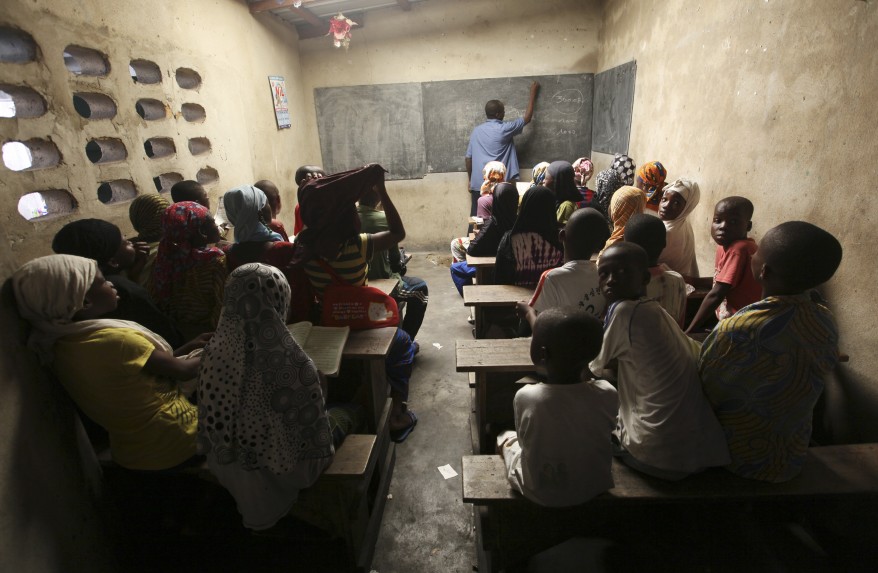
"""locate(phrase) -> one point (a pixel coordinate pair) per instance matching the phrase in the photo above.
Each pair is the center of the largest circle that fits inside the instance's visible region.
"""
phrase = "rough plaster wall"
(773, 100)
(450, 40)
(46, 523)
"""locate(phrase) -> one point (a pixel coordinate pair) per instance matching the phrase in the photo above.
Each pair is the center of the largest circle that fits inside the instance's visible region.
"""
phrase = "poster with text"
(279, 97)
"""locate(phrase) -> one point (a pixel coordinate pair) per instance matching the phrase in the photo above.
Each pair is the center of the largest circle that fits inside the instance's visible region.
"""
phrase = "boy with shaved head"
(762, 370)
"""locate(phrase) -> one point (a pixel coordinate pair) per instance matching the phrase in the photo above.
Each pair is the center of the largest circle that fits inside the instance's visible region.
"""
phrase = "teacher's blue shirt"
(492, 141)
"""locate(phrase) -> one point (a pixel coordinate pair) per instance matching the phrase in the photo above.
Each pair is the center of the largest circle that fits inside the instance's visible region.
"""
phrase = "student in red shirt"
(733, 285)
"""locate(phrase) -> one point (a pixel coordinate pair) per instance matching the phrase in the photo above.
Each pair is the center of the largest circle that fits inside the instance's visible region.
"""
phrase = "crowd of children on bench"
(641, 388)
(124, 324)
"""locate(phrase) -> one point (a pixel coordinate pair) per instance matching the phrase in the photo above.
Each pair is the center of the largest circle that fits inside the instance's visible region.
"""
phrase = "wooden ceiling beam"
(266, 5)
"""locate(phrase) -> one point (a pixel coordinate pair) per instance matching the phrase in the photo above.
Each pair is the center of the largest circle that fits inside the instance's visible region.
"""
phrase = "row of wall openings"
(41, 153)
(91, 105)
(89, 62)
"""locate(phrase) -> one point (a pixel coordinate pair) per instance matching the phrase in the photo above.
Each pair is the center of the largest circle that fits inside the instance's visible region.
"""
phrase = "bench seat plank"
(829, 471)
(495, 295)
(503, 355)
(352, 457)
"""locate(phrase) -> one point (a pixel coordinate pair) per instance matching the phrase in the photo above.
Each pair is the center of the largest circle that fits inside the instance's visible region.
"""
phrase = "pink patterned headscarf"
(583, 169)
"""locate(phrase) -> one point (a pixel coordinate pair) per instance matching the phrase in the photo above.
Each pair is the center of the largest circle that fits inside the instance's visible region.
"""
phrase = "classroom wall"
(775, 101)
(47, 522)
(450, 40)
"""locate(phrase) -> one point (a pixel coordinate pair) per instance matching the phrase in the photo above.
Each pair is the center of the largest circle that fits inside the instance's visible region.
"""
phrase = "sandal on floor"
(399, 436)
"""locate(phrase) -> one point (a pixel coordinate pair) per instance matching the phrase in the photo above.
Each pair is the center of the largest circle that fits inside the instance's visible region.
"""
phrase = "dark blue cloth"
(462, 274)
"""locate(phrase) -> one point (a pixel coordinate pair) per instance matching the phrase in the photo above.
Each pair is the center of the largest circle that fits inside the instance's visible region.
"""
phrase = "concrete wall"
(775, 101)
(450, 40)
(46, 523)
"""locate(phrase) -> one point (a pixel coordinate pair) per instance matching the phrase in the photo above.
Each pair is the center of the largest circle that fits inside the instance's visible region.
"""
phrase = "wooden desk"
(371, 346)
(387, 286)
(484, 358)
(484, 268)
(481, 296)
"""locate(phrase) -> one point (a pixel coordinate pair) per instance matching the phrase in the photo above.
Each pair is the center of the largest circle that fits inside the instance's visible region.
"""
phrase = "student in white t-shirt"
(665, 286)
(667, 428)
(562, 452)
(575, 283)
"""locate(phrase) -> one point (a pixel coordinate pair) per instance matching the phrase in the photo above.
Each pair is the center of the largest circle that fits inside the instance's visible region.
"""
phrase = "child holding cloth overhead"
(561, 452)
(678, 201)
(666, 426)
(651, 180)
(122, 375)
(733, 285)
(763, 369)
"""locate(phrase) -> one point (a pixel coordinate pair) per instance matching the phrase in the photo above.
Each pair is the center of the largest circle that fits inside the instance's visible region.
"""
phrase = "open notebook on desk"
(323, 344)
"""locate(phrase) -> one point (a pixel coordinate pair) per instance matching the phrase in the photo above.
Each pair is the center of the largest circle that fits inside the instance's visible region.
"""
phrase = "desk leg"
(480, 326)
(482, 412)
(377, 374)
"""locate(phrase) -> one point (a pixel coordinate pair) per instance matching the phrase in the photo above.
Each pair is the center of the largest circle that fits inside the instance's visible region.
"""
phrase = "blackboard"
(377, 123)
(613, 106)
(561, 128)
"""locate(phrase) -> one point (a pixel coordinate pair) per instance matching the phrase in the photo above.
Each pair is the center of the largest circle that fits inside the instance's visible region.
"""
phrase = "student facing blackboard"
(493, 141)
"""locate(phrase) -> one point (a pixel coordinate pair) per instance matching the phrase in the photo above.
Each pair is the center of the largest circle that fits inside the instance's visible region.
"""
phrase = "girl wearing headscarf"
(651, 179)
(486, 242)
(560, 179)
(607, 183)
(532, 245)
(262, 417)
(583, 169)
(248, 210)
(626, 202)
(145, 213)
(539, 173)
(624, 166)
(678, 201)
(188, 277)
(494, 173)
(120, 374)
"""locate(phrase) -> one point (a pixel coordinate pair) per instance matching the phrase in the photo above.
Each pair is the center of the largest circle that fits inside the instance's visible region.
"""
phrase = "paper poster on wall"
(279, 97)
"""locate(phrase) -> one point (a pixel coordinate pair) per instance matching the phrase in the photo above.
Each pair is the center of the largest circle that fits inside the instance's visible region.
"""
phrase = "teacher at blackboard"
(493, 141)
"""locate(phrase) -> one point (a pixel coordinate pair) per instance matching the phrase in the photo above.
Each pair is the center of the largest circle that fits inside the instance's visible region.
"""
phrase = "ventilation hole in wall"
(158, 147)
(116, 191)
(30, 155)
(151, 109)
(188, 79)
(207, 175)
(92, 105)
(145, 72)
(199, 145)
(105, 150)
(20, 101)
(16, 46)
(85, 61)
(46, 203)
(193, 112)
(165, 181)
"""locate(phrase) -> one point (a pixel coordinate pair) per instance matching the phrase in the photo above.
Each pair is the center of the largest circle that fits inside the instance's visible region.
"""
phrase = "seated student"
(503, 215)
(763, 369)
(493, 173)
(304, 174)
(123, 376)
(607, 182)
(651, 180)
(532, 245)
(331, 238)
(388, 264)
(263, 423)
(627, 201)
(733, 285)
(560, 179)
(561, 452)
(678, 201)
(665, 286)
(190, 191)
(583, 169)
(102, 241)
(666, 427)
(538, 173)
(625, 167)
(188, 277)
(145, 213)
(576, 282)
(272, 193)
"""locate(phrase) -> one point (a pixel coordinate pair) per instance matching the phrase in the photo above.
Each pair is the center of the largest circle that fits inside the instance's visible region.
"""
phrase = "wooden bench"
(484, 268)
(371, 347)
(511, 528)
(482, 296)
(347, 500)
(495, 363)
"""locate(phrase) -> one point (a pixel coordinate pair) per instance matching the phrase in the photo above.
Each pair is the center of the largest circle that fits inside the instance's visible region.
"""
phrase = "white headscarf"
(243, 205)
(50, 291)
(679, 254)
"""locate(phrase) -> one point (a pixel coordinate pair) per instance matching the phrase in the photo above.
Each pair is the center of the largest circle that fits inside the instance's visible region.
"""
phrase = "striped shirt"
(351, 264)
